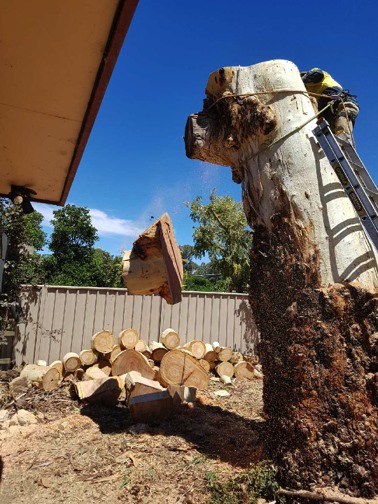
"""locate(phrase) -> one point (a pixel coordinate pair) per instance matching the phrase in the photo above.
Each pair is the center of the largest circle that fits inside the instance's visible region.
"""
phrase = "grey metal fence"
(63, 319)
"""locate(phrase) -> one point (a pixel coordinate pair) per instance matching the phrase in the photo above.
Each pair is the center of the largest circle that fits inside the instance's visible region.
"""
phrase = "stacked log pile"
(152, 378)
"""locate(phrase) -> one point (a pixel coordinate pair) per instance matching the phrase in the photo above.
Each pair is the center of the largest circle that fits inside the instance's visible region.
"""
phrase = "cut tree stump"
(131, 360)
(154, 265)
(179, 368)
(45, 377)
(71, 362)
(103, 342)
(170, 339)
(314, 275)
(128, 338)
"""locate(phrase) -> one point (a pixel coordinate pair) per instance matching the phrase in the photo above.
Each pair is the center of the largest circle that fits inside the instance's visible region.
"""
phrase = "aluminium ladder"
(354, 177)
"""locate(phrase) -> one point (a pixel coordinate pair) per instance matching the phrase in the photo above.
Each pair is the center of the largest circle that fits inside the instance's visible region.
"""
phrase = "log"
(79, 374)
(136, 384)
(57, 365)
(103, 342)
(225, 369)
(244, 371)
(71, 361)
(104, 365)
(205, 364)
(154, 265)
(147, 353)
(141, 346)
(45, 377)
(170, 339)
(236, 357)
(216, 347)
(158, 351)
(88, 357)
(197, 348)
(179, 368)
(115, 351)
(224, 354)
(211, 354)
(312, 270)
(131, 360)
(94, 373)
(104, 390)
(128, 338)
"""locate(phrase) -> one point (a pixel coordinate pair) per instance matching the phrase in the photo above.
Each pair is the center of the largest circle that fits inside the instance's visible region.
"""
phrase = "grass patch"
(246, 488)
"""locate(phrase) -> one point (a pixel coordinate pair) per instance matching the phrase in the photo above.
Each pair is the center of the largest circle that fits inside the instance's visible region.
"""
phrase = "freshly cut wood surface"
(236, 357)
(94, 373)
(47, 378)
(225, 369)
(141, 346)
(58, 364)
(205, 364)
(158, 351)
(225, 354)
(115, 351)
(197, 347)
(128, 338)
(71, 362)
(179, 368)
(137, 384)
(105, 366)
(88, 357)
(131, 360)
(211, 354)
(104, 390)
(103, 342)
(244, 371)
(170, 339)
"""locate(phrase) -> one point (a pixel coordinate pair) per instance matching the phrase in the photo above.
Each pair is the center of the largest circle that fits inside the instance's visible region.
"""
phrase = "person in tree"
(342, 113)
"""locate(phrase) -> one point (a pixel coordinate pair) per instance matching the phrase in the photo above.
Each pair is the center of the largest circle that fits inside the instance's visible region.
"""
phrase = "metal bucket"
(6, 349)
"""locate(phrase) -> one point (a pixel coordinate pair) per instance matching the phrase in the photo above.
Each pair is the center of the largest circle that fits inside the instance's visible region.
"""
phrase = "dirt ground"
(82, 453)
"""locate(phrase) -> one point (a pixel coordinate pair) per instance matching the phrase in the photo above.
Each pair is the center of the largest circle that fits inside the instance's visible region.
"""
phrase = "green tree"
(223, 234)
(105, 269)
(23, 264)
(72, 246)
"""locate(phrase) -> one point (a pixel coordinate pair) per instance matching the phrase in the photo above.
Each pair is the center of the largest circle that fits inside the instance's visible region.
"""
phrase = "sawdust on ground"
(81, 453)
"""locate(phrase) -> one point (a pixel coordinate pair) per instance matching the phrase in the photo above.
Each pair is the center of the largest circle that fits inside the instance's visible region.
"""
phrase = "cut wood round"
(128, 338)
(94, 373)
(244, 371)
(211, 354)
(58, 364)
(225, 369)
(88, 357)
(205, 364)
(47, 378)
(170, 339)
(71, 362)
(179, 368)
(158, 351)
(113, 354)
(141, 346)
(225, 354)
(131, 360)
(197, 347)
(103, 342)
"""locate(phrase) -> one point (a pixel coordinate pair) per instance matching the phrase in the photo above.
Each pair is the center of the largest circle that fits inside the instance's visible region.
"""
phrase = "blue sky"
(134, 166)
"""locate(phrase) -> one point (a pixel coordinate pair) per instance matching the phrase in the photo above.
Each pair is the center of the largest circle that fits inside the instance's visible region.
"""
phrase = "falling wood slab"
(131, 360)
(154, 265)
(180, 368)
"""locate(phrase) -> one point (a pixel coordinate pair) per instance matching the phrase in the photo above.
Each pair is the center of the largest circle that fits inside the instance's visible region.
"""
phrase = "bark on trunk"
(318, 329)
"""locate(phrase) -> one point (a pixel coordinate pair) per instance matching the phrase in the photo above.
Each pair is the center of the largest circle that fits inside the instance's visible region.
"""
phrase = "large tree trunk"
(313, 276)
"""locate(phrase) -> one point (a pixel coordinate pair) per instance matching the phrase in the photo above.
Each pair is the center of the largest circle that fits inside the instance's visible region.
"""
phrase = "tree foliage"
(223, 234)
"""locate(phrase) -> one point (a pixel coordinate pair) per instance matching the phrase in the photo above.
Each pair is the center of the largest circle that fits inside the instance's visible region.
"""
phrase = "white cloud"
(104, 223)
